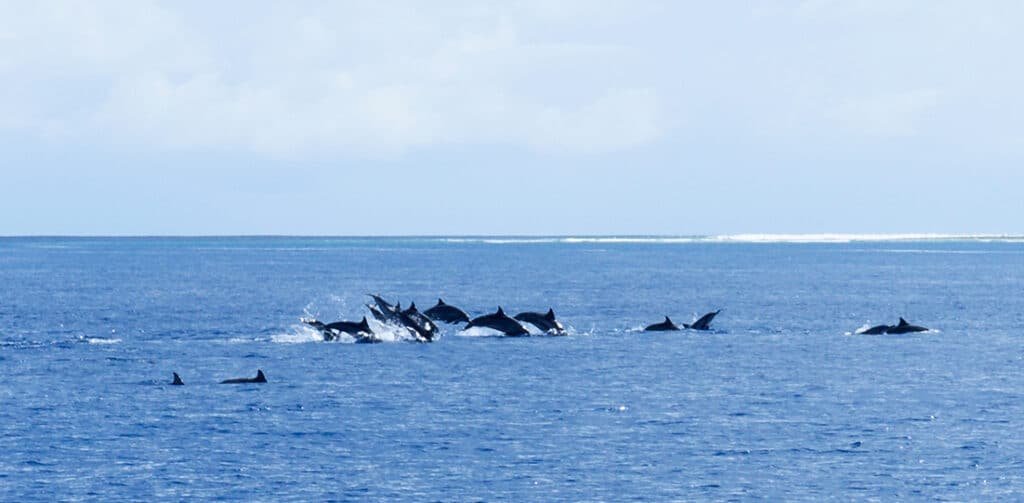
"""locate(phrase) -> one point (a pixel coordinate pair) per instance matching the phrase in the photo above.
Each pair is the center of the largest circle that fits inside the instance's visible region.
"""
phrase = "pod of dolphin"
(421, 326)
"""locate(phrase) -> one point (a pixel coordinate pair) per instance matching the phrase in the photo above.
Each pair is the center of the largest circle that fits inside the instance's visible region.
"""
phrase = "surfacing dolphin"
(901, 328)
(501, 322)
(259, 379)
(360, 331)
(665, 326)
(704, 322)
(447, 313)
(544, 322)
(177, 380)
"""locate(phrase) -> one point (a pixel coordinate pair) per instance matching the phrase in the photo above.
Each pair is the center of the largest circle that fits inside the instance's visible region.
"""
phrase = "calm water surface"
(780, 402)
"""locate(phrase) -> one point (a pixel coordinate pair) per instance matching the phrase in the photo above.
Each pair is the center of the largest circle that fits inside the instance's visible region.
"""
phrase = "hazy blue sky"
(572, 117)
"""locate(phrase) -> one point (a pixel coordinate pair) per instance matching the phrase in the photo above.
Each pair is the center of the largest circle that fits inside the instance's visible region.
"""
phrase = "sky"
(588, 117)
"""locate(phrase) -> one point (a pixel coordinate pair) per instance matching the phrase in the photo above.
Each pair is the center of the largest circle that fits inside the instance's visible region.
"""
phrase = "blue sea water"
(781, 401)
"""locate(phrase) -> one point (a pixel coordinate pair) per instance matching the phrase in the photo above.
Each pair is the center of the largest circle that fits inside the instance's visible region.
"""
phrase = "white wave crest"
(743, 238)
(101, 340)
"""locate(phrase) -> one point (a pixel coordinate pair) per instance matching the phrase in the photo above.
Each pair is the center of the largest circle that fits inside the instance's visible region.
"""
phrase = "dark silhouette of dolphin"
(501, 322)
(901, 328)
(704, 322)
(665, 326)
(420, 318)
(177, 380)
(421, 327)
(378, 314)
(414, 320)
(384, 311)
(876, 330)
(545, 322)
(906, 328)
(360, 331)
(447, 313)
(384, 305)
(260, 378)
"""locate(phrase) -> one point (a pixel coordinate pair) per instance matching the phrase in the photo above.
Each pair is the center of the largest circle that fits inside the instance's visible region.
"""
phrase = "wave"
(740, 238)
(304, 333)
(101, 340)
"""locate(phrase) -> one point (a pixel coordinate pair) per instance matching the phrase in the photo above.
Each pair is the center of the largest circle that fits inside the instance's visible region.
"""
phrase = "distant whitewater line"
(746, 238)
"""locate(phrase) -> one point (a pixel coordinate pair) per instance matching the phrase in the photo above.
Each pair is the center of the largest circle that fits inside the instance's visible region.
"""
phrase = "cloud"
(351, 78)
(381, 79)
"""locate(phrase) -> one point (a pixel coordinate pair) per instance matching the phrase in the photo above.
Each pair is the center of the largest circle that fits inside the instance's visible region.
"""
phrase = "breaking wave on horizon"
(739, 238)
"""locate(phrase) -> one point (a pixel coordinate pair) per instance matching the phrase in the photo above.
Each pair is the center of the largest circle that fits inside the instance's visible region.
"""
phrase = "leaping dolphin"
(447, 313)
(384, 311)
(665, 326)
(413, 319)
(421, 318)
(259, 379)
(544, 322)
(901, 328)
(501, 322)
(704, 322)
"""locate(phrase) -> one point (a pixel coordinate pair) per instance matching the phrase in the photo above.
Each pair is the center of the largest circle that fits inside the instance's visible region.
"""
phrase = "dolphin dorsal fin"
(551, 314)
(412, 307)
(500, 311)
(903, 323)
(440, 301)
(667, 320)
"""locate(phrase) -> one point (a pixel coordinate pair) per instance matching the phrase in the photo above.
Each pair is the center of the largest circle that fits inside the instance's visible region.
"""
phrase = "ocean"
(782, 400)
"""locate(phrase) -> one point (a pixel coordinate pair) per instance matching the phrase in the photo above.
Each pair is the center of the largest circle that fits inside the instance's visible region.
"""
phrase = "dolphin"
(906, 328)
(421, 327)
(902, 328)
(177, 380)
(447, 313)
(381, 303)
(876, 330)
(377, 313)
(384, 311)
(420, 318)
(413, 319)
(260, 378)
(361, 330)
(704, 322)
(665, 326)
(501, 322)
(545, 322)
